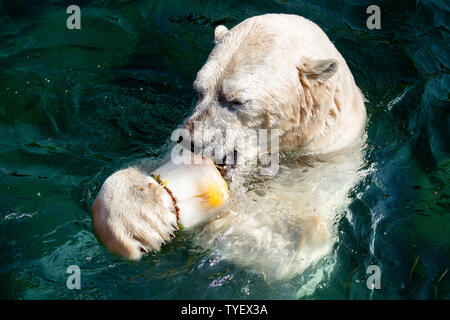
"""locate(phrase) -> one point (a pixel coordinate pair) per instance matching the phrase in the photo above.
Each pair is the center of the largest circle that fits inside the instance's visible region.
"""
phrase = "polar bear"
(274, 71)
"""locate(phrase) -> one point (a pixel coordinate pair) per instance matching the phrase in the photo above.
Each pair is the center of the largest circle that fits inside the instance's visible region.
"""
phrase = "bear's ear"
(320, 70)
(219, 32)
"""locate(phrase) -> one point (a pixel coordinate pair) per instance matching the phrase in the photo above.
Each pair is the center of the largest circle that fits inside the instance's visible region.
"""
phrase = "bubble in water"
(246, 290)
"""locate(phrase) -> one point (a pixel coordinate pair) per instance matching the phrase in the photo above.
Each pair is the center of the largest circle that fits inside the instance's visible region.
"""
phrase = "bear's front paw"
(133, 214)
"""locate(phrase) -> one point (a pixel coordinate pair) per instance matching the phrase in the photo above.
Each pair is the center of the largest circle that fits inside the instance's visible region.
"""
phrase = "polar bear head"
(268, 72)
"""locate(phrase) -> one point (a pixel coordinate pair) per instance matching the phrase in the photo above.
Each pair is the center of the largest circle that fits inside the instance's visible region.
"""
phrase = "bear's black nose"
(185, 143)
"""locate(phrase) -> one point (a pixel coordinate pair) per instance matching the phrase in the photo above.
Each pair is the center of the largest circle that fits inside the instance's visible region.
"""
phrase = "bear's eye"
(225, 101)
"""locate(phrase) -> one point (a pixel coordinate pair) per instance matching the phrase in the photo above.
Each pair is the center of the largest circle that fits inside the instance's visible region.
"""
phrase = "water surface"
(77, 105)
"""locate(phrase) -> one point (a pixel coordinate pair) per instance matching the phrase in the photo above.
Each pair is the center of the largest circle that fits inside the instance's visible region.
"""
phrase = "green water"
(77, 105)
